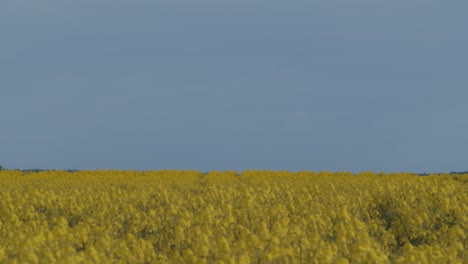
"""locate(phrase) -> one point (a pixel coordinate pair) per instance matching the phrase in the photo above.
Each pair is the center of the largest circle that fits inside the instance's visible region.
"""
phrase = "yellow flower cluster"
(226, 217)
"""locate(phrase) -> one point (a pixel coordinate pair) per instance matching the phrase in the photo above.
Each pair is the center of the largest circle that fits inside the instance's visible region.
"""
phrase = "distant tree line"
(205, 173)
(34, 170)
(40, 170)
(450, 173)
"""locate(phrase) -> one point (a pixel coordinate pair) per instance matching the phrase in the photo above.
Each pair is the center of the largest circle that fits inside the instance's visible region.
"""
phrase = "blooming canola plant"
(226, 217)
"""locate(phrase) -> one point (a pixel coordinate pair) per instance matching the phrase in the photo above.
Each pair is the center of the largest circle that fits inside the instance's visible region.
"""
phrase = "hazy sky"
(377, 85)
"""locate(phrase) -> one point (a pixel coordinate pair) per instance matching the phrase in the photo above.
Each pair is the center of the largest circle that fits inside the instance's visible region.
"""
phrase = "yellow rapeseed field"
(224, 217)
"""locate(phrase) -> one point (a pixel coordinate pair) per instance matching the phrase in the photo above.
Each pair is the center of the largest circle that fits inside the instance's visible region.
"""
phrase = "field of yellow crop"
(223, 217)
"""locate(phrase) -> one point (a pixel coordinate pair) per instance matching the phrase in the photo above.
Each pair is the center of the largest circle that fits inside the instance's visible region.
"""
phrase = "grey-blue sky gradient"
(234, 85)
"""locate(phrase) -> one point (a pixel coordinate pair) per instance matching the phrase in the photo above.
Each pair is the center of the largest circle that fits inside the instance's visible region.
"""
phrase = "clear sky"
(334, 85)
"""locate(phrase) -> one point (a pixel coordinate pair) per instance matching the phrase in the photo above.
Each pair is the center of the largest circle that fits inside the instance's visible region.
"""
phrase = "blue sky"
(232, 85)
